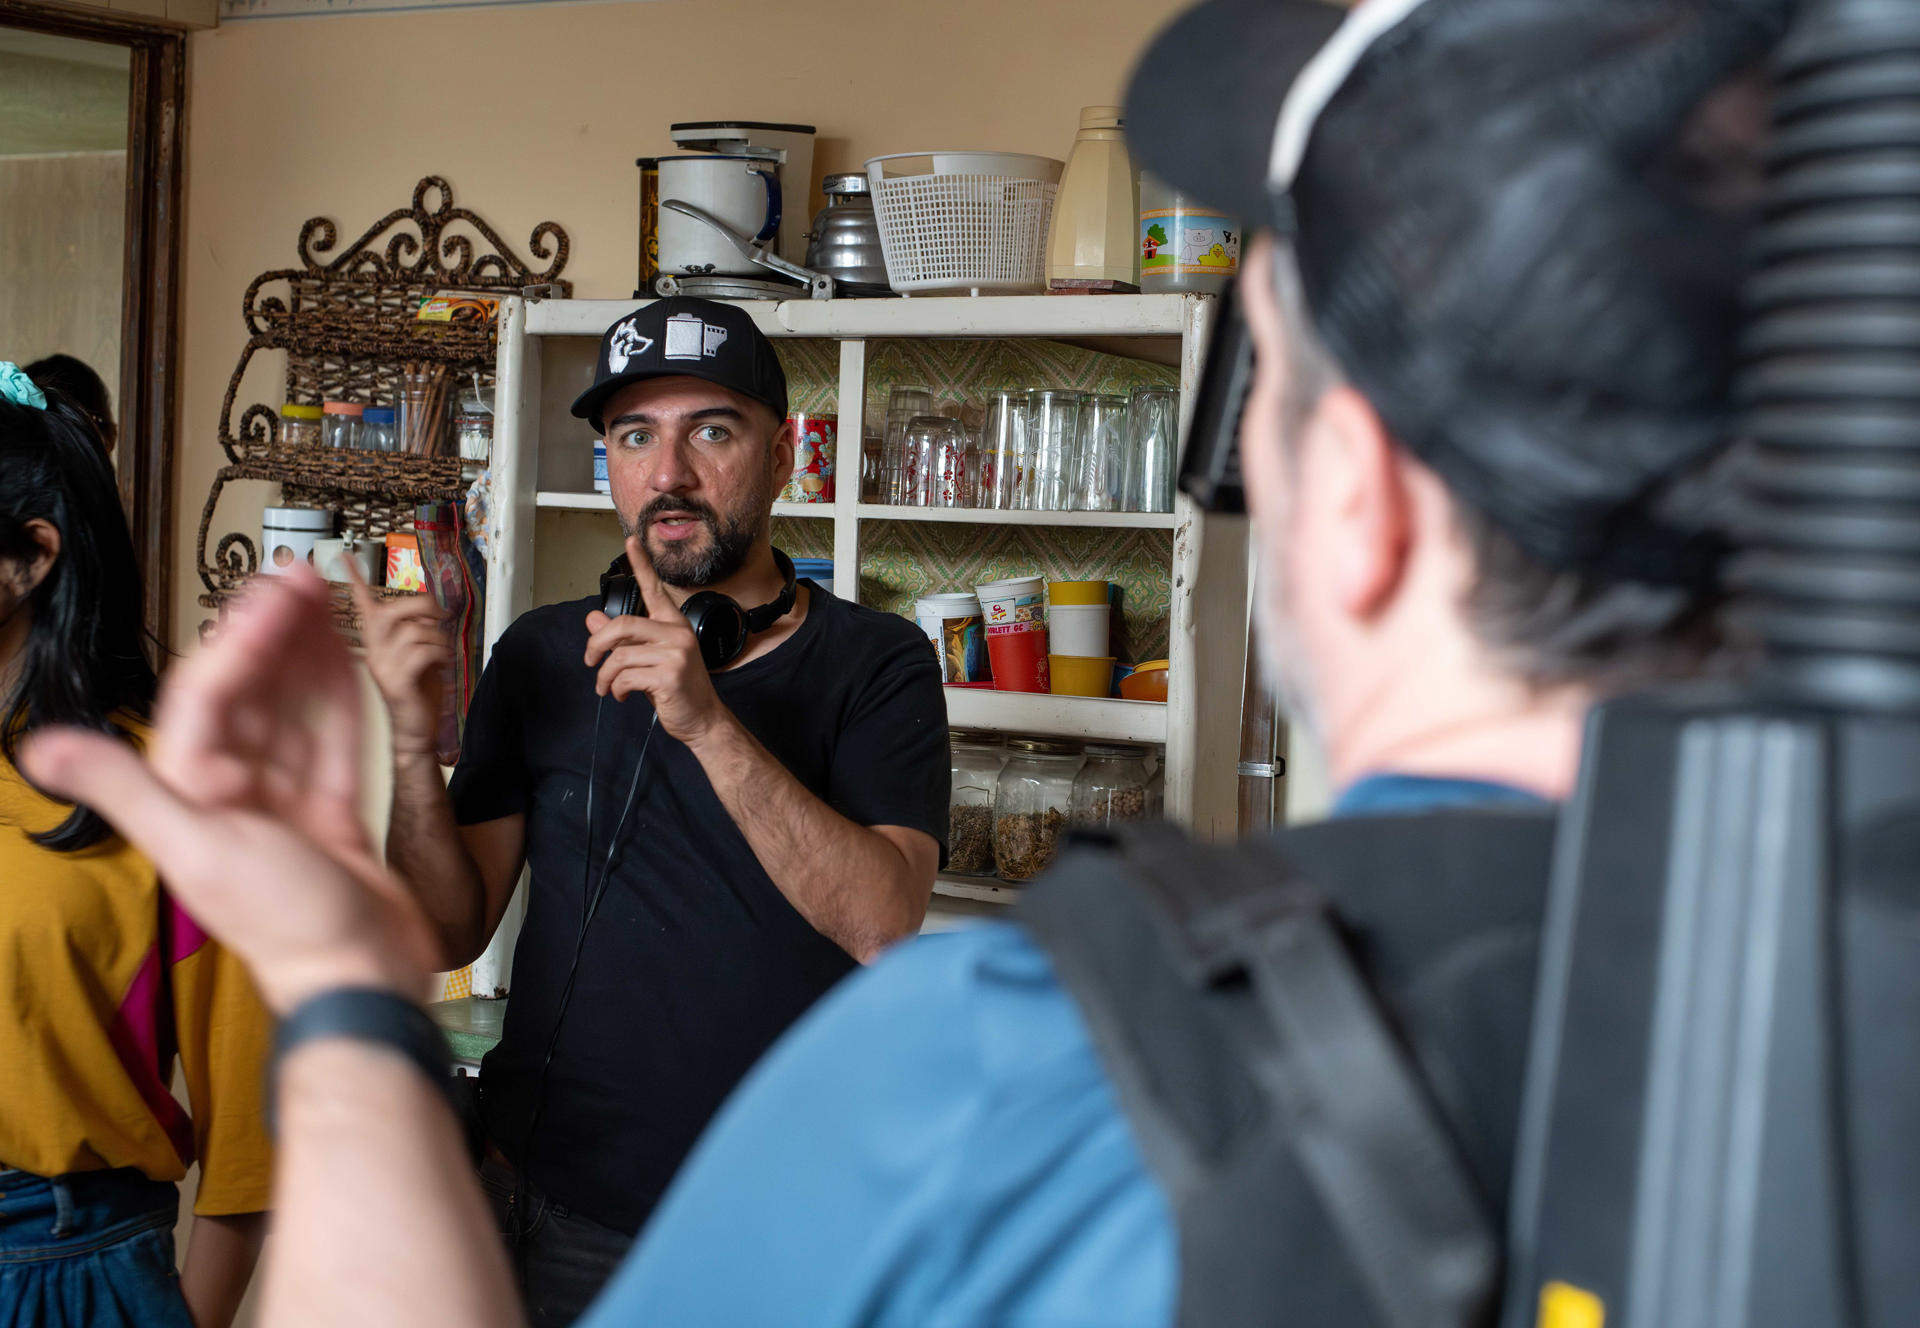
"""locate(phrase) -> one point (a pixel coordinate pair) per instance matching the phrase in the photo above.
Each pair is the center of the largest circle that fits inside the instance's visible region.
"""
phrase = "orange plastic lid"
(342, 407)
(1150, 665)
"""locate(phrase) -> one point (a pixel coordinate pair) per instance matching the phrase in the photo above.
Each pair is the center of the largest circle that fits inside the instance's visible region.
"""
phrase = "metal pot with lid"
(845, 240)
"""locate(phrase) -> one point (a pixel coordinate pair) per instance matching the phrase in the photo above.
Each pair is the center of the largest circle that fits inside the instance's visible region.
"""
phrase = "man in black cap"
(780, 823)
(1493, 308)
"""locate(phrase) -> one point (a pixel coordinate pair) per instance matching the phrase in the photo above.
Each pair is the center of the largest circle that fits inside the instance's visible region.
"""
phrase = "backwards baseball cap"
(683, 337)
(1512, 229)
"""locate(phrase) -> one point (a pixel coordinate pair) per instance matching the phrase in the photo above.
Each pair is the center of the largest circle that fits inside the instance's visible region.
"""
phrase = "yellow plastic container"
(1080, 675)
(1077, 592)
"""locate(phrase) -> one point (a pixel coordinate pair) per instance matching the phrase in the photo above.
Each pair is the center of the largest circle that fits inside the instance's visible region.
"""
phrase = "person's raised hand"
(408, 651)
(657, 655)
(249, 804)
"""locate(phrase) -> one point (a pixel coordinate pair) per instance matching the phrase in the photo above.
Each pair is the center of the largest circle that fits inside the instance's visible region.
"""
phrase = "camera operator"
(1490, 355)
(787, 818)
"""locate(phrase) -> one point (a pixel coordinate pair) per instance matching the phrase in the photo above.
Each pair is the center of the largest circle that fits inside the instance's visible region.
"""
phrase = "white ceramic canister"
(743, 192)
(288, 534)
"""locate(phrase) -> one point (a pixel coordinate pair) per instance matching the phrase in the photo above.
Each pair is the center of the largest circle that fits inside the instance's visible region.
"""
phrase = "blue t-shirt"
(936, 1145)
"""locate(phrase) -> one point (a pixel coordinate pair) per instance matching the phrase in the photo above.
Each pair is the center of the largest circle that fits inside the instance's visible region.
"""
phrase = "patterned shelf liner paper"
(902, 560)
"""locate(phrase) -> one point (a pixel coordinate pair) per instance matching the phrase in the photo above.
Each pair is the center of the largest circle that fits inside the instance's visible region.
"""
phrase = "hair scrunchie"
(21, 390)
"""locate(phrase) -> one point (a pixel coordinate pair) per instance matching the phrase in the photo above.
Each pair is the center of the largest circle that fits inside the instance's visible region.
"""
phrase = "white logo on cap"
(624, 344)
(689, 337)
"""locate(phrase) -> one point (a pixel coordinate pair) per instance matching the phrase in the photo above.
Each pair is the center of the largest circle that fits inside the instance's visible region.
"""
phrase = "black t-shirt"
(695, 962)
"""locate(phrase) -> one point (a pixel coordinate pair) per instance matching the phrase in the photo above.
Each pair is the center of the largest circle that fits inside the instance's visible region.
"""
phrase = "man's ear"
(782, 461)
(1372, 513)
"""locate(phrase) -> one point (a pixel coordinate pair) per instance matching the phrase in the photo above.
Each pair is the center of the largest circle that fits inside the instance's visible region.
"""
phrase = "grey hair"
(1546, 626)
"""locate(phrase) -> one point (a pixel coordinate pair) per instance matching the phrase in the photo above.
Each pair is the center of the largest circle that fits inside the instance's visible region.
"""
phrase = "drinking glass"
(1098, 478)
(1005, 478)
(936, 451)
(1153, 437)
(1053, 422)
(904, 404)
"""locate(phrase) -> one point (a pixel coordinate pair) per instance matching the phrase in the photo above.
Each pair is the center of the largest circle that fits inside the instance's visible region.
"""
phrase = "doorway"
(90, 173)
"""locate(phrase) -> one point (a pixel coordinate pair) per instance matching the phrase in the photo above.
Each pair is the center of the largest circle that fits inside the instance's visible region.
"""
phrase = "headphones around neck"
(719, 624)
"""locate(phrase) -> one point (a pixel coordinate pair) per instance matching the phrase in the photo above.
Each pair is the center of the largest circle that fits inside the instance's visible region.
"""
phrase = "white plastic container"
(1186, 247)
(954, 624)
(964, 221)
(1079, 629)
(1091, 243)
(288, 534)
(330, 557)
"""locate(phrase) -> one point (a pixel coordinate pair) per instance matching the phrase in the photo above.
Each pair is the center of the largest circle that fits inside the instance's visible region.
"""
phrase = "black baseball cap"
(684, 337)
(1513, 229)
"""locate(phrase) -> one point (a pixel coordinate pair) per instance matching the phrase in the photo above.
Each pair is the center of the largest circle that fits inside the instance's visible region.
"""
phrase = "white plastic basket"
(964, 221)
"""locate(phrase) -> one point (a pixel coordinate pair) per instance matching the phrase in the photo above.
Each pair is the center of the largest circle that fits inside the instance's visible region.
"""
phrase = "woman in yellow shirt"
(104, 983)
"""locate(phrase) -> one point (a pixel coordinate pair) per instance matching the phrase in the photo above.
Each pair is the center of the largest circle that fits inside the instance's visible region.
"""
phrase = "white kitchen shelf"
(980, 889)
(600, 502)
(982, 516)
(1207, 556)
(928, 316)
(1098, 719)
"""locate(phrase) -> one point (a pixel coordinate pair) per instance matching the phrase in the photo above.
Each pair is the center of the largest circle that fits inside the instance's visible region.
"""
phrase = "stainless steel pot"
(845, 240)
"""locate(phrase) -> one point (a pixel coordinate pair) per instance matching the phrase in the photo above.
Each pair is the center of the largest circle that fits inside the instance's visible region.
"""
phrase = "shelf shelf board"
(1130, 316)
(600, 502)
(985, 516)
(1093, 718)
(980, 889)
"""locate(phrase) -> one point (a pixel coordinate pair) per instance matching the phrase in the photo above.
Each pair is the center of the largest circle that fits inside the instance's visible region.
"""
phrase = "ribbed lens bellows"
(1830, 389)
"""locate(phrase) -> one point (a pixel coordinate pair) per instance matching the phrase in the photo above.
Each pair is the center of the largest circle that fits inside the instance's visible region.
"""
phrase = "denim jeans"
(560, 1258)
(93, 1249)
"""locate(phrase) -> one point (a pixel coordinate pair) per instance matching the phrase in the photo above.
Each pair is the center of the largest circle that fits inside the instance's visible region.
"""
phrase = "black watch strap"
(365, 1014)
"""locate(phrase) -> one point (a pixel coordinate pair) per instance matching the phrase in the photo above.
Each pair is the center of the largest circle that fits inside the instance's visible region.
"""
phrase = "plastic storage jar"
(977, 758)
(376, 430)
(299, 426)
(1031, 802)
(1111, 788)
(340, 424)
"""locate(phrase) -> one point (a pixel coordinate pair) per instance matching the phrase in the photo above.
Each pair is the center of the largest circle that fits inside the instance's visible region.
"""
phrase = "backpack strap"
(1252, 1058)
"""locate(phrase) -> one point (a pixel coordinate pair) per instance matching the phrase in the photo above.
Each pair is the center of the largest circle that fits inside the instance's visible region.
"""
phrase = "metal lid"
(1042, 747)
(1125, 750)
(976, 737)
(853, 182)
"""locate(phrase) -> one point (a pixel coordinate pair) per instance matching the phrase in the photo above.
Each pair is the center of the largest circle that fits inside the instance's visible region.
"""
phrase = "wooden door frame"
(150, 301)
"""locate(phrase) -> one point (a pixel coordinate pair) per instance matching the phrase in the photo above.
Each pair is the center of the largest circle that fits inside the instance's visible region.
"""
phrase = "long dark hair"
(84, 660)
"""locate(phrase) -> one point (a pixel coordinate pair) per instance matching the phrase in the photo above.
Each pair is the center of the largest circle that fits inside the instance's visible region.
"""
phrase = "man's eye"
(711, 433)
(638, 438)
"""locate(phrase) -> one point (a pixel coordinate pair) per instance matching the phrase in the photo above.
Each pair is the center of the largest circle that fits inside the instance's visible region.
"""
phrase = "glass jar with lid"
(1111, 788)
(299, 425)
(977, 758)
(1030, 805)
(473, 426)
(340, 424)
(376, 430)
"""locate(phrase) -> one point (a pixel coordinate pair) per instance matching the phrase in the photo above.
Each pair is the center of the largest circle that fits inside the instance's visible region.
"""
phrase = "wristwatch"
(365, 1014)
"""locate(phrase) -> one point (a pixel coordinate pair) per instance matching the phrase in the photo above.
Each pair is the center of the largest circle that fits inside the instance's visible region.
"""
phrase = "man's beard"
(691, 564)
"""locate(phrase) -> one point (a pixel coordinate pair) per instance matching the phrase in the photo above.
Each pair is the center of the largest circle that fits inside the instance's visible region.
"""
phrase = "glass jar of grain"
(977, 758)
(1030, 804)
(1112, 787)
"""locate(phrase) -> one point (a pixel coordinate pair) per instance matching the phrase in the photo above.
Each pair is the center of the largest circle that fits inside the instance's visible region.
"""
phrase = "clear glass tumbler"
(904, 404)
(1153, 440)
(1053, 423)
(1099, 474)
(1005, 479)
(935, 452)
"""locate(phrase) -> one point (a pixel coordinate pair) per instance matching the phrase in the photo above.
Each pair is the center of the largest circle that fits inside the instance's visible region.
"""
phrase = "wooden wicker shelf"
(346, 323)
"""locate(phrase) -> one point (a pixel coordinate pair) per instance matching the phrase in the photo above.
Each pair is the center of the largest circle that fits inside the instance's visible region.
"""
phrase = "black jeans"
(560, 1258)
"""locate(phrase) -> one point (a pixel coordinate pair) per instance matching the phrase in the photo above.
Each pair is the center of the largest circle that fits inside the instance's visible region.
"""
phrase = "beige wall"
(538, 112)
(63, 220)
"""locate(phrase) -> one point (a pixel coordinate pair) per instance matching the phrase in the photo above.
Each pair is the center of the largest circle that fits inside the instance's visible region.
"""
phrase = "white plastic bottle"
(1092, 243)
(1185, 246)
